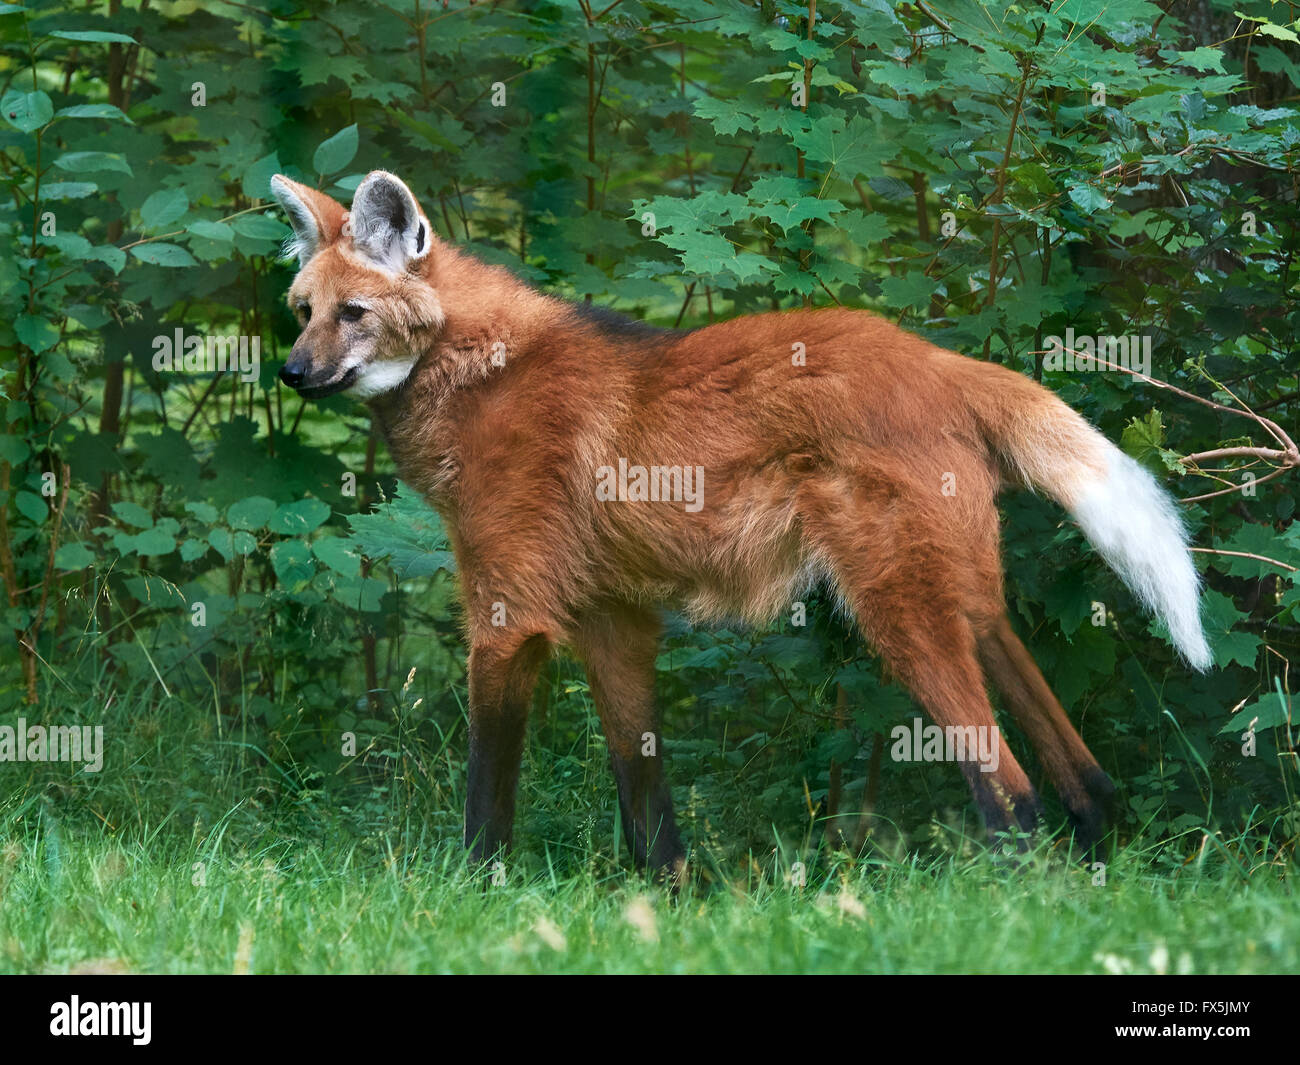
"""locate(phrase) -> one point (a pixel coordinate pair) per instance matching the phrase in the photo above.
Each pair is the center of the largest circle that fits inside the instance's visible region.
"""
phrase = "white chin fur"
(376, 378)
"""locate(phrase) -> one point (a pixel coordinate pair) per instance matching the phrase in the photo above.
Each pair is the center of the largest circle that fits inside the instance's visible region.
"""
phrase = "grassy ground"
(91, 902)
(201, 854)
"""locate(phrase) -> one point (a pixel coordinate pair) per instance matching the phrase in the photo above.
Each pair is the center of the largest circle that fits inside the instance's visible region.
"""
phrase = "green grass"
(93, 901)
(204, 854)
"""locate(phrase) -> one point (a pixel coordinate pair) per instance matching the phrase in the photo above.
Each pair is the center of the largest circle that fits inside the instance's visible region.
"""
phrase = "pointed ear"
(317, 220)
(387, 224)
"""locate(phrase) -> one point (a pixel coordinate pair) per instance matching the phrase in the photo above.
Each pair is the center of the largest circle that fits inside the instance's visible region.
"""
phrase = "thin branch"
(1241, 554)
(1288, 455)
(933, 16)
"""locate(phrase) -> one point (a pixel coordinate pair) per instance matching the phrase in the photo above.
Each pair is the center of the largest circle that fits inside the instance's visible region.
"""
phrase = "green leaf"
(1143, 438)
(32, 507)
(73, 556)
(1269, 29)
(334, 154)
(14, 449)
(154, 590)
(1069, 602)
(360, 593)
(93, 111)
(114, 258)
(222, 541)
(205, 513)
(212, 231)
(727, 118)
(94, 36)
(912, 289)
(81, 162)
(291, 560)
(37, 333)
(260, 227)
(856, 149)
(169, 459)
(295, 519)
(132, 514)
(251, 513)
(90, 317)
(407, 531)
(163, 206)
(1253, 538)
(791, 216)
(257, 178)
(58, 366)
(154, 542)
(163, 254)
(92, 454)
(863, 229)
(75, 246)
(1088, 199)
(27, 111)
(1220, 615)
(1203, 58)
(67, 190)
(336, 552)
(1268, 711)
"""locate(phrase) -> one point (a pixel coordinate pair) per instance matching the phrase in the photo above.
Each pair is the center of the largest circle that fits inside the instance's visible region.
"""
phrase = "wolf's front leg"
(501, 678)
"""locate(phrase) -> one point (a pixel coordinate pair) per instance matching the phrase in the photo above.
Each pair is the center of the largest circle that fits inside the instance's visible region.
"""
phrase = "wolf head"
(363, 294)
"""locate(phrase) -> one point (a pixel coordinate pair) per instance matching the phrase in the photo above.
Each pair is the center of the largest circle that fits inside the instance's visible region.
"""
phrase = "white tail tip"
(1133, 524)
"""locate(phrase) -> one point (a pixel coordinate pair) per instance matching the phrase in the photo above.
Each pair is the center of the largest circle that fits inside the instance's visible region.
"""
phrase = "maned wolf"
(591, 469)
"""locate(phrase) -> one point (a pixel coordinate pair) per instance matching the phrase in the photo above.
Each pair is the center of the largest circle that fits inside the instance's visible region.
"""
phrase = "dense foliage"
(231, 580)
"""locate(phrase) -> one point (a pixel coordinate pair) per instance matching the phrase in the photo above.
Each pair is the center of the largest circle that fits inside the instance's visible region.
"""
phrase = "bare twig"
(1287, 456)
(1241, 554)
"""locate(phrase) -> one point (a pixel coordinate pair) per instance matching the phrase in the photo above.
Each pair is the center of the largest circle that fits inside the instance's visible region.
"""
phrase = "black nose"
(293, 372)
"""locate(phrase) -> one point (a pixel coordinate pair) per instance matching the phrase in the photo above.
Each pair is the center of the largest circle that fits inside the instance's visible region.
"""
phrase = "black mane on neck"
(619, 326)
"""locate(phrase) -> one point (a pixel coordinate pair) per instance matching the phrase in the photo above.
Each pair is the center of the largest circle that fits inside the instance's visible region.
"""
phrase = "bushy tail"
(1124, 513)
(1132, 523)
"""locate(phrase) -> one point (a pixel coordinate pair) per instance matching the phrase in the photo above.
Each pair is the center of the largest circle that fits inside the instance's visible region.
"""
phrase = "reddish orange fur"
(832, 469)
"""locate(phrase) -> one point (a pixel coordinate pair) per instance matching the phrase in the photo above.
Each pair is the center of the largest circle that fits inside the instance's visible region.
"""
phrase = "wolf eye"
(351, 312)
